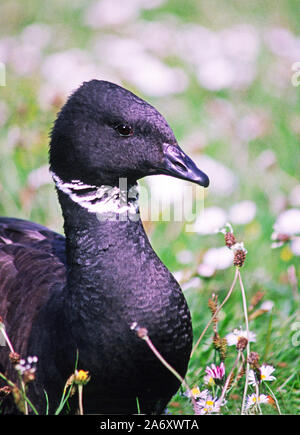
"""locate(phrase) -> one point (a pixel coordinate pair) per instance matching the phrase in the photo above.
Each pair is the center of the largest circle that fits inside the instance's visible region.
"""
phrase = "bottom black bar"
(90, 424)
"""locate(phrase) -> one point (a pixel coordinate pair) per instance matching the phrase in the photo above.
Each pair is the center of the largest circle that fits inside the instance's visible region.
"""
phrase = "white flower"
(194, 282)
(219, 258)
(267, 305)
(185, 257)
(40, 176)
(223, 181)
(63, 72)
(240, 42)
(32, 359)
(252, 126)
(215, 74)
(282, 42)
(27, 365)
(145, 71)
(253, 399)
(108, 13)
(154, 77)
(242, 212)
(265, 374)
(206, 270)
(213, 218)
(265, 160)
(288, 222)
(208, 405)
(233, 337)
(196, 393)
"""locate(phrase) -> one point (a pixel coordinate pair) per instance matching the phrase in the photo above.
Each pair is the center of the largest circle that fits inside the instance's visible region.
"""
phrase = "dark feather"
(32, 263)
(63, 297)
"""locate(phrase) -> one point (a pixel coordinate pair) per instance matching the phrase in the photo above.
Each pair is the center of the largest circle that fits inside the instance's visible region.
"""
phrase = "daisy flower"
(214, 374)
(207, 405)
(196, 393)
(265, 374)
(233, 337)
(252, 400)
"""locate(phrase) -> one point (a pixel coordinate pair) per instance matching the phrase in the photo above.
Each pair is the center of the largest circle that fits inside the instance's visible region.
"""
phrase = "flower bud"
(242, 343)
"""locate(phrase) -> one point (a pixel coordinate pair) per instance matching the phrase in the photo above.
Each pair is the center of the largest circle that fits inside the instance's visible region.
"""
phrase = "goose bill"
(178, 164)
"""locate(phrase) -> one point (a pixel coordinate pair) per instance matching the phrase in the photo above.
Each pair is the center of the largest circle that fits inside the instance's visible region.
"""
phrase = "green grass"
(26, 149)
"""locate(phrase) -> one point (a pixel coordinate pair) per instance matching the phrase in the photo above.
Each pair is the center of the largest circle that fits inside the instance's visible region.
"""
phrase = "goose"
(77, 295)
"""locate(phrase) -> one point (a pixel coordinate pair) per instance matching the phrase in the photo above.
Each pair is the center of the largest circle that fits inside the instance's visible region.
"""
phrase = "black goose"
(83, 292)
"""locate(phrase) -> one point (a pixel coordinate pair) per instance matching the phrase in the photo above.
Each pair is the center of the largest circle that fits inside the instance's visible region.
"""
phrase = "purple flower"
(214, 374)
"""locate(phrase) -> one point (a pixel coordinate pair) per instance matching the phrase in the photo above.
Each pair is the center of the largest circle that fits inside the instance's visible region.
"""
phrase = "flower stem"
(257, 399)
(31, 405)
(64, 397)
(274, 397)
(23, 389)
(10, 383)
(168, 366)
(162, 360)
(80, 389)
(224, 390)
(2, 329)
(217, 311)
(248, 344)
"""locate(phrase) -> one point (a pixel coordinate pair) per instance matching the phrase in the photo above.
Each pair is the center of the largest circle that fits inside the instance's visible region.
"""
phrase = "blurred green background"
(224, 75)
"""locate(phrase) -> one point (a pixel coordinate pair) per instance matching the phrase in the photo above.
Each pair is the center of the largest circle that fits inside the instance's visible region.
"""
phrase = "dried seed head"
(18, 399)
(142, 333)
(69, 383)
(4, 391)
(220, 344)
(230, 381)
(213, 303)
(28, 376)
(239, 258)
(256, 314)
(237, 247)
(256, 299)
(230, 239)
(253, 360)
(281, 237)
(242, 343)
(14, 357)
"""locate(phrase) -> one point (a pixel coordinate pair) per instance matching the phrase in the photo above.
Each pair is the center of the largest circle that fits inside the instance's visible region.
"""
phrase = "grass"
(25, 124)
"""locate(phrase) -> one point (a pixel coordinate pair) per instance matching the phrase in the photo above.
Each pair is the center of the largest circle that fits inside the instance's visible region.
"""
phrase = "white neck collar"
(100, 200)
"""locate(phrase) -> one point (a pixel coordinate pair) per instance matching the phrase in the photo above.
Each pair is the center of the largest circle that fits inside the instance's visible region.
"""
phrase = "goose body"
(82, 292)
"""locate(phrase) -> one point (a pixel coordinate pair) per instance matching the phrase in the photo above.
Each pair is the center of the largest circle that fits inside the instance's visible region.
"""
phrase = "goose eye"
(124, 130)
